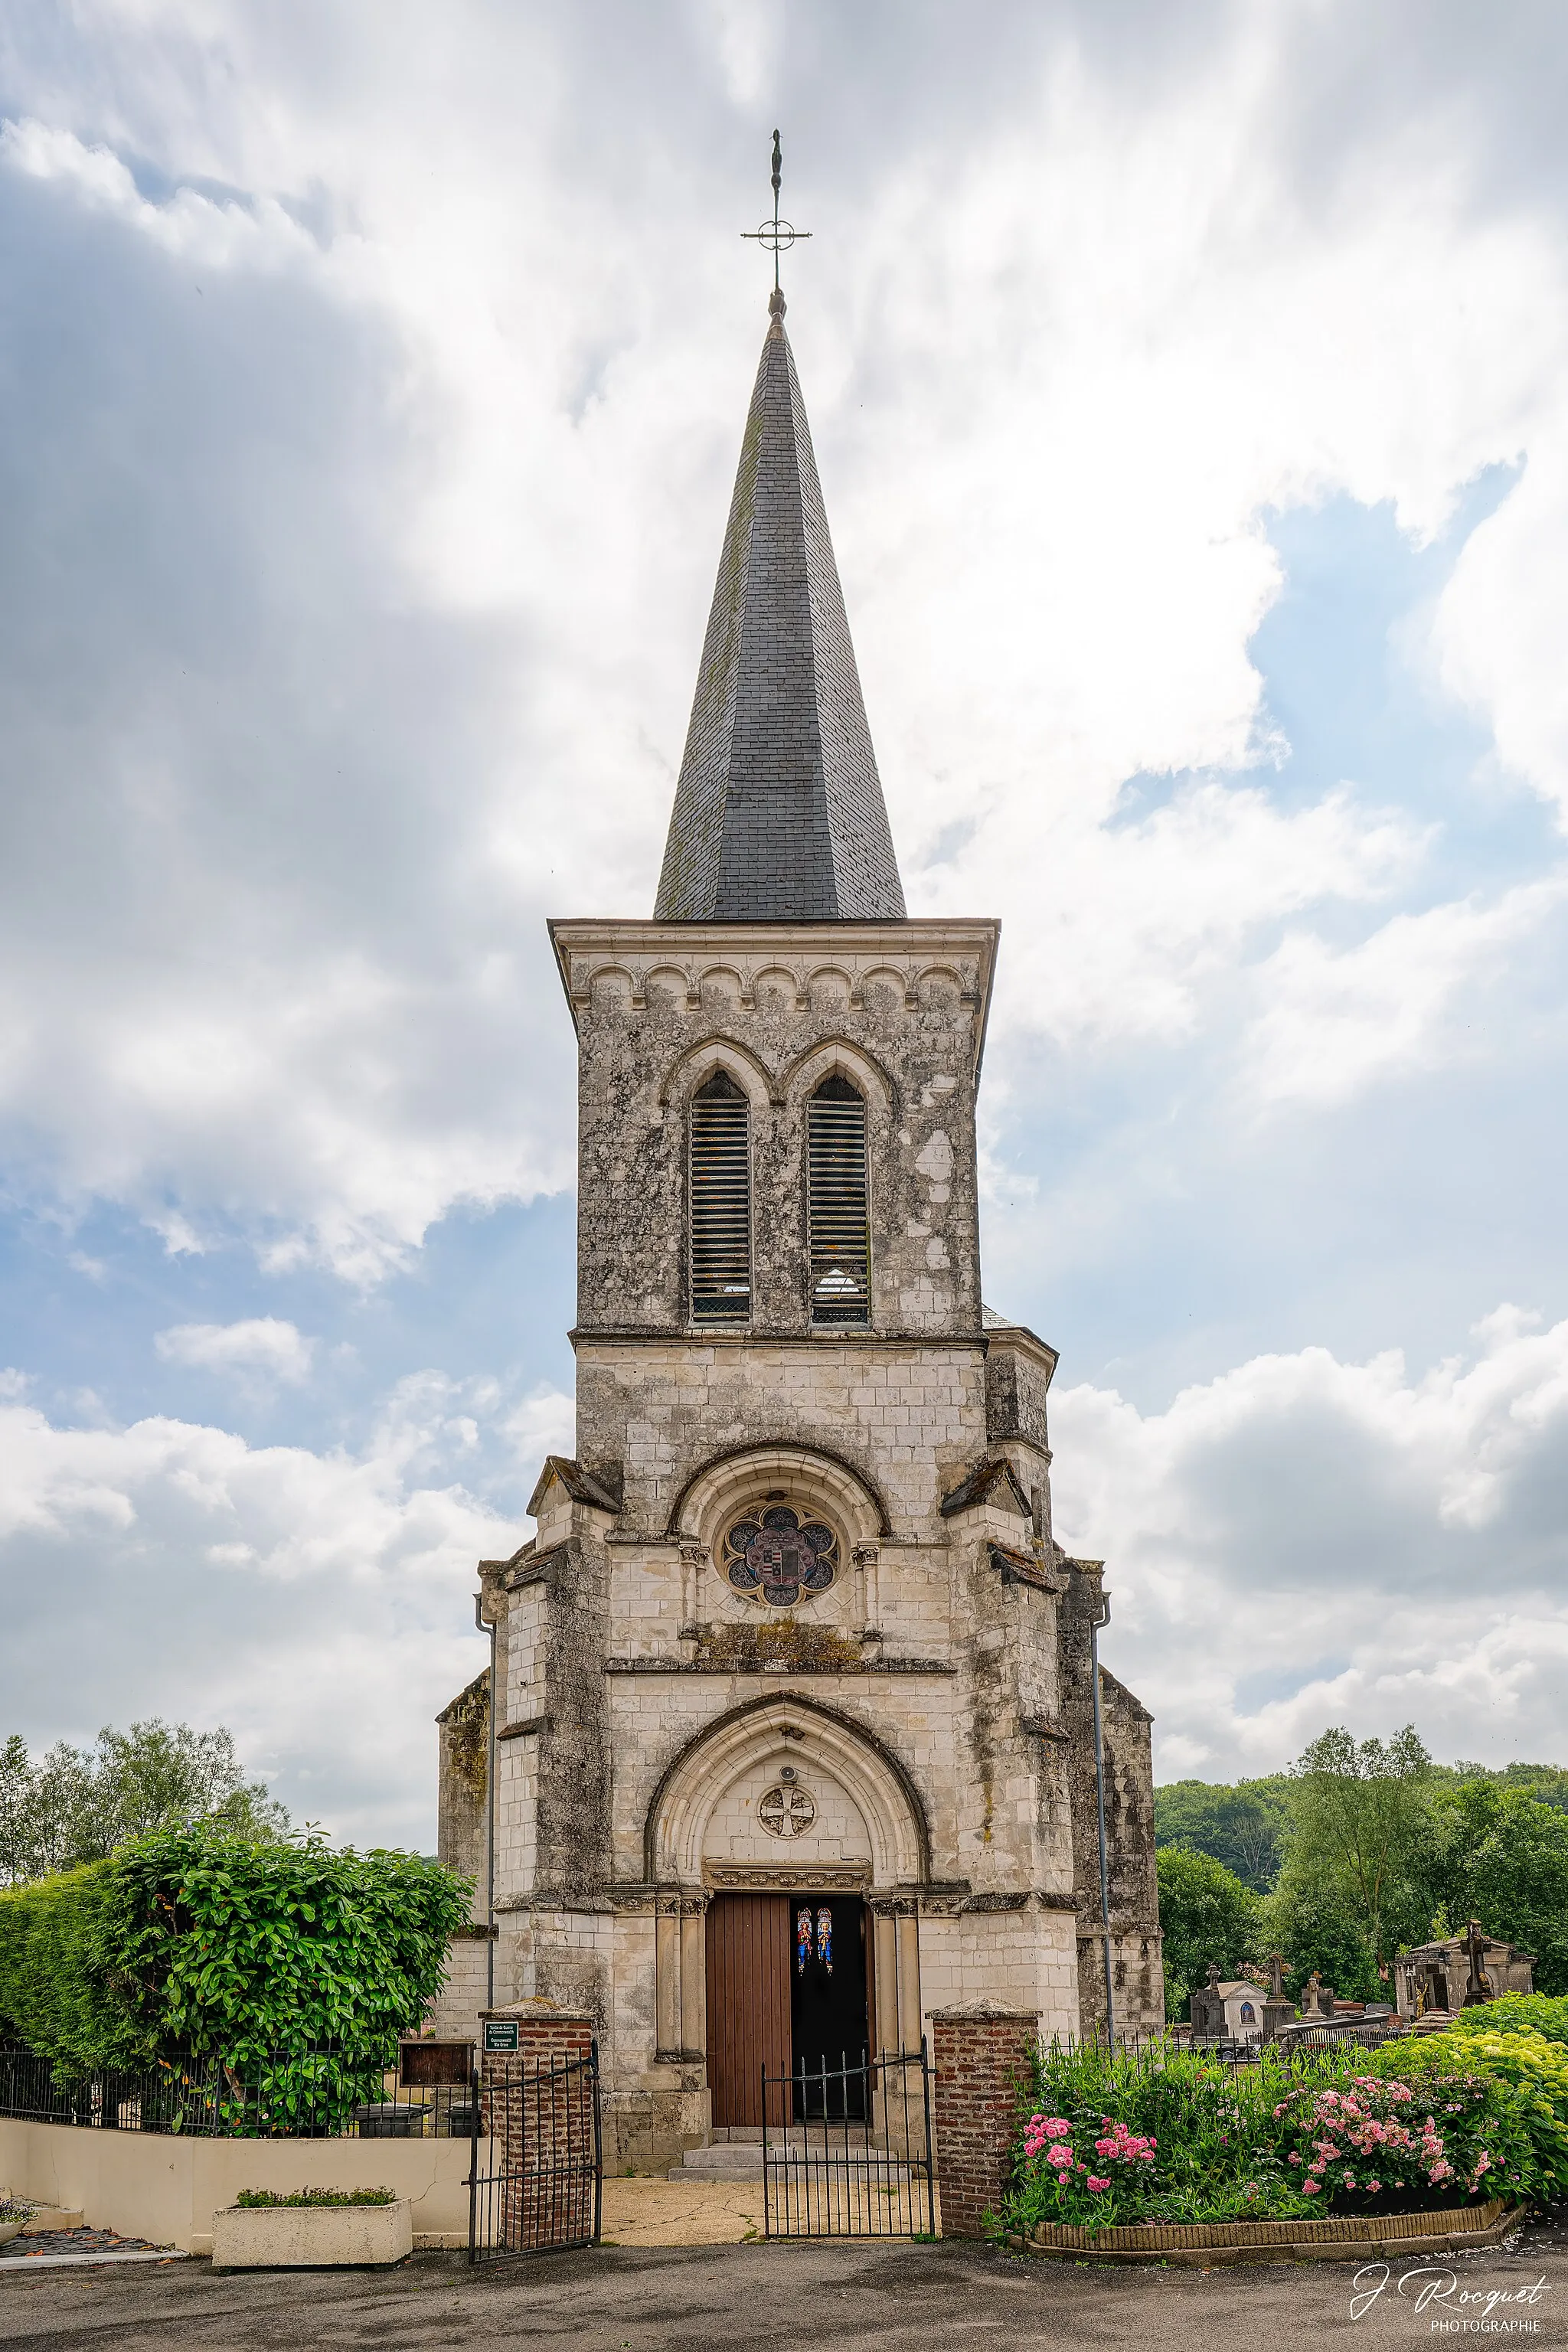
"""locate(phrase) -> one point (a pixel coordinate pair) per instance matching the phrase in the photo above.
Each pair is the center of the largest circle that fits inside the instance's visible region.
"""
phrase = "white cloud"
(545, 1423)
(259, 1344)
(189, 225)
(1336, 1022)
(1304, 1542)
(387, 556)
(318, 1603)
(1500, 628)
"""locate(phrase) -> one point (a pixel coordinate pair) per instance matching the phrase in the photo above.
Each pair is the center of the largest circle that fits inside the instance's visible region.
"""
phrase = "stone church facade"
(793, 1737)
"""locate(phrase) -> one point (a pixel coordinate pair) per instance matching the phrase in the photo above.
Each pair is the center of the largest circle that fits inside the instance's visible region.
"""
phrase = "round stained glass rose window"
(780, 1557)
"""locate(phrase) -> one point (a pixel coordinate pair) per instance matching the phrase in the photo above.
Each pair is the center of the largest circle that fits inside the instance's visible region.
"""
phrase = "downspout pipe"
(487, 1626)
(1097, 1623)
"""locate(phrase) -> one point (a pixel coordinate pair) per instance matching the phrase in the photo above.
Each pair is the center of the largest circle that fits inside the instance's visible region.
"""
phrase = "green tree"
(1206, 1916)
(1315, 1925)
(1519, 1886)
(1547, 1783)
(1363, 1815)
(1246, 1826)
(76, 1805)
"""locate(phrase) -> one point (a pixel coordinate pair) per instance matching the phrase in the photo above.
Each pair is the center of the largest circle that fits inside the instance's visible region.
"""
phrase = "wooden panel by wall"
(748, 2001)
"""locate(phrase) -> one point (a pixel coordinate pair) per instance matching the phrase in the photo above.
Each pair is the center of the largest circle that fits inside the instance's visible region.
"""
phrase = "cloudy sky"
(1190, 388)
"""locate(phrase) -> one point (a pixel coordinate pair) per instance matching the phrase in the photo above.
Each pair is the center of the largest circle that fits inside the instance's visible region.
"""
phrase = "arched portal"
(810, 1842)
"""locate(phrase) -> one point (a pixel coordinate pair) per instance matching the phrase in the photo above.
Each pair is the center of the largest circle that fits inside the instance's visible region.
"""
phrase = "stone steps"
(725, 2160)
(741, 2159)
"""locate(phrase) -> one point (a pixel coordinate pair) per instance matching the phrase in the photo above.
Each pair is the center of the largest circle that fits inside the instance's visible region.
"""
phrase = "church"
(791, 1735)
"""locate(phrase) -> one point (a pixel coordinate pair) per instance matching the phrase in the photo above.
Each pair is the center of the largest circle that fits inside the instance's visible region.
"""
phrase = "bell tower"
(793, 1666)
(778, 1072)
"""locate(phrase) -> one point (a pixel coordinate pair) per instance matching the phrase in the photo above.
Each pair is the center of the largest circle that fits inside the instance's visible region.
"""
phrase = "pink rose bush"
(1051, 2141)
(1378, 2144)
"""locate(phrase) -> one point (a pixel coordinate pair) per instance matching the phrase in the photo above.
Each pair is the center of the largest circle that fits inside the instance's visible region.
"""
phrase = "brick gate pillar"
(539, 2117)
(980, 2062)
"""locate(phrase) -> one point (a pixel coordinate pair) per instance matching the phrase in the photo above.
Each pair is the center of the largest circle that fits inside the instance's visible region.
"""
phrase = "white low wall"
(165, 2188)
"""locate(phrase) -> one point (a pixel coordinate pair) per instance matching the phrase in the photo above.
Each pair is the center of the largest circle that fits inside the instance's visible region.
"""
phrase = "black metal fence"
(538, 2131)
(1313, 2034)
(305, 2093)
(847, 2150)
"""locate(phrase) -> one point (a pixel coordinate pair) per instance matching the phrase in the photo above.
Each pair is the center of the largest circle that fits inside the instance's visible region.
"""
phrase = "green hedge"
(199, 1940)
(58, 1989)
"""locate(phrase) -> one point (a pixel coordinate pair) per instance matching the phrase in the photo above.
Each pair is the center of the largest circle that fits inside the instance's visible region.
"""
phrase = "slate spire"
(778, 812)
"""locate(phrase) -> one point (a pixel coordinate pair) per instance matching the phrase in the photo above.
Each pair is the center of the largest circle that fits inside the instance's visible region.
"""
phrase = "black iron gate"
(847, 2150)
(536, 2168)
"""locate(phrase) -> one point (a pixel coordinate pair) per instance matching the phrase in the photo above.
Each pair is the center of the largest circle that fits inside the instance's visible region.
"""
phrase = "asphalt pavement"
(802, 2297)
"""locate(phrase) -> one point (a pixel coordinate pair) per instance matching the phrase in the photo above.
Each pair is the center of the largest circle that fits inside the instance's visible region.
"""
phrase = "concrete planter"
(9, 2230)
(311, 2236)
(1204, 2244)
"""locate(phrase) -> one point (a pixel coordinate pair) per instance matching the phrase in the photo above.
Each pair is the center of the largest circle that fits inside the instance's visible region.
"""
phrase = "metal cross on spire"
(776, 237)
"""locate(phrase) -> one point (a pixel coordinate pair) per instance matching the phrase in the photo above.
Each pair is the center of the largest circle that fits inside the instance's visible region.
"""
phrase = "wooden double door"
(789, 1991)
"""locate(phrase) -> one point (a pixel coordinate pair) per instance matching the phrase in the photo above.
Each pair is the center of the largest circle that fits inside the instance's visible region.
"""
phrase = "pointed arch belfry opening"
(838, 1203)
(720, 1197)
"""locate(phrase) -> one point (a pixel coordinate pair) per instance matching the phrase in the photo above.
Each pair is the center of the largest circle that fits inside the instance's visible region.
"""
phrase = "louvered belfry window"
(721, 1203)
(840, 1221)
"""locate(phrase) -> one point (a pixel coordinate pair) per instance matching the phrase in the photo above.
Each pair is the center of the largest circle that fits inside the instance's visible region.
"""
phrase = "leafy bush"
(1516, 2012)
(271, 2197)
(198, 1941)
(244, 1948)
(1533, 2072)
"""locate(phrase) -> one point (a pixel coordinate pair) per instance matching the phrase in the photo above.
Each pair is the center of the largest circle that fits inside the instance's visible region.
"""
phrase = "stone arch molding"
(837, 1057)
(708, 1766)
(799, 1474)
(696, 1064)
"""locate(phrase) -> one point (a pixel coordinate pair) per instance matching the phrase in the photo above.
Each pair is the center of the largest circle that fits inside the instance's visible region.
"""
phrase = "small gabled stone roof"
(1113, 1689)
(472, 1695)
(1025, 1568)
(579, 1486)
(1448, 1947)
(778, 815)
(978, 1485)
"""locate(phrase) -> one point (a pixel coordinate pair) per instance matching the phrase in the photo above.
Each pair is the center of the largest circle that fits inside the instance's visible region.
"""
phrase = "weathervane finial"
(776, 237)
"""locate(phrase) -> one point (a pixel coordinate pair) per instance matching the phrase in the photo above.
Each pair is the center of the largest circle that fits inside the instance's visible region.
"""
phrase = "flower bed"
(269, 2200)
(1165, 2137)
